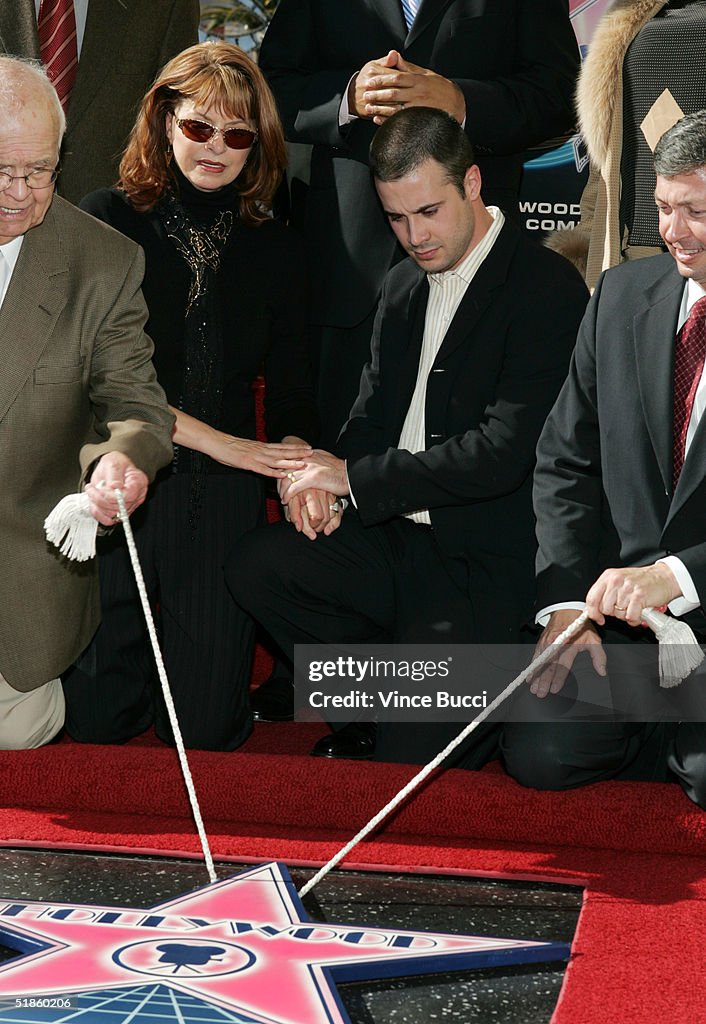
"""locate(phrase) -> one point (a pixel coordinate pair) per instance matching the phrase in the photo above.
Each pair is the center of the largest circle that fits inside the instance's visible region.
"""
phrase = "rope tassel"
(679, 651)
(72, 528)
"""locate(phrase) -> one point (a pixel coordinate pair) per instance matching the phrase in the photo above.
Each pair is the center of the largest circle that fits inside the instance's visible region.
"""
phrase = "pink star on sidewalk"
(244, 945)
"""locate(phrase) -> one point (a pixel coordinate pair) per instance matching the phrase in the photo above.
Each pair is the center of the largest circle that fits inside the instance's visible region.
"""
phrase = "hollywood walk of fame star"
(243, 947)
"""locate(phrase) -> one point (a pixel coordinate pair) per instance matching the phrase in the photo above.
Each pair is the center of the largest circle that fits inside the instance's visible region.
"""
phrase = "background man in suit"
(78, 397)
(506, 69)
(471, 345)
(119, 45)
(620, 491)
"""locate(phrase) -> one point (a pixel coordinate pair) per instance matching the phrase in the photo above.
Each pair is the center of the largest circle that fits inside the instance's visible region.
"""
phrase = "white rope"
(680, 653)
(389, 807)
(186, 771)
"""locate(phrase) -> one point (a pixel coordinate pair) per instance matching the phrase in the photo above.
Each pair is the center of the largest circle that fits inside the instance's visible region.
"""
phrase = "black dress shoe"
(355, 741)
(273, 701)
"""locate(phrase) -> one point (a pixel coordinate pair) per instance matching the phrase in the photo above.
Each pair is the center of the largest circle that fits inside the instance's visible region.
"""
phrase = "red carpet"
(637, 848)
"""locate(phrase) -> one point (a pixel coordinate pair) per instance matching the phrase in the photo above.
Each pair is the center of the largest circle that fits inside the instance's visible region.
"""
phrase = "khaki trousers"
(30, 719)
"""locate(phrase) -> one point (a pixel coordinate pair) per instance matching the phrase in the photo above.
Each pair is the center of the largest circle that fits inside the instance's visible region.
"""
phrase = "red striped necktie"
(57, 44)
(689, 358)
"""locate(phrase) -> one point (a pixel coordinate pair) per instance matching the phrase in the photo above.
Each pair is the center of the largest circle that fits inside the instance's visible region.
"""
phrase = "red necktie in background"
(57, 44)
(689, 356)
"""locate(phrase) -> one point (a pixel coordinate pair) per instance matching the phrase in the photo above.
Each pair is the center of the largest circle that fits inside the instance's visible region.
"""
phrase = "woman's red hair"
(216, 75)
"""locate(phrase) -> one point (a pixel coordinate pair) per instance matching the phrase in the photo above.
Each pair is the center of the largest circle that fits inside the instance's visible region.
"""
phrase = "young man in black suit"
(471, 344)
(620, 488)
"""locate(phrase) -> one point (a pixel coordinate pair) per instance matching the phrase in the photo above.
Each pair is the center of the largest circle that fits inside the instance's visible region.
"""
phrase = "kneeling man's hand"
(552, 677)
(623, 593)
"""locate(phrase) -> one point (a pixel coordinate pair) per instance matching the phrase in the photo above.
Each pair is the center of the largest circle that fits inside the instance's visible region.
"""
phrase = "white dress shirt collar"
(692, 293)
(470, 263)
(9, 253)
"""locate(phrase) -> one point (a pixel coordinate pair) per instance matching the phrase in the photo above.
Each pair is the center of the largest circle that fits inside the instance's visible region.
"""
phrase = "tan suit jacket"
(76, 381)
(125, 44)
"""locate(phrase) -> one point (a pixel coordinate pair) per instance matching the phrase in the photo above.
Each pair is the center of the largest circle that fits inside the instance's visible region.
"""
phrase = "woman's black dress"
(197, 507)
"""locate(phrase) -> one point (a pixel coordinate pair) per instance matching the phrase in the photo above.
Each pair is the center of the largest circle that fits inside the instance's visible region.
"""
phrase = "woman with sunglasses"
(224, 286)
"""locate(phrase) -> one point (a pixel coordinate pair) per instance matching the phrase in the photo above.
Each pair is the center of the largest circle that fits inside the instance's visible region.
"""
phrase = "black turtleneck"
(262, 289)
(203, 207)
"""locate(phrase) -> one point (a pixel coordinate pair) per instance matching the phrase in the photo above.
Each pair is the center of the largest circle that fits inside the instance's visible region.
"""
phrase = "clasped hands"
(311, 511)
(619, 593)
(310, 490)
(385, 85)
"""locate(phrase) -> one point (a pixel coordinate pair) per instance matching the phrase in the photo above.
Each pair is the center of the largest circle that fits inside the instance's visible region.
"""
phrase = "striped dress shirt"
(445, 293)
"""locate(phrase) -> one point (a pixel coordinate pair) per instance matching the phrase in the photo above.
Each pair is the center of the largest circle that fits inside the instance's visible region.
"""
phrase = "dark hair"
(416, 134)
(212, 74)
(682, 148)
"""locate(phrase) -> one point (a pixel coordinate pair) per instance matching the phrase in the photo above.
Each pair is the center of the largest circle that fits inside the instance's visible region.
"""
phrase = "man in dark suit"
(79, 402)
(471, 345)
(506, 69)
(122, 44)
(620, 487)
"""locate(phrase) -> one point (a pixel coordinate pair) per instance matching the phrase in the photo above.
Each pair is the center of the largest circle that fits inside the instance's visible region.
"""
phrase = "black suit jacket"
(492, 384)
(515, 60)
(125, 44)
(603, 489)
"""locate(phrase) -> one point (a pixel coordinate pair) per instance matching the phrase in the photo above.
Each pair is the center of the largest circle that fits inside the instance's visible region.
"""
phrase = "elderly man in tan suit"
(78, 401)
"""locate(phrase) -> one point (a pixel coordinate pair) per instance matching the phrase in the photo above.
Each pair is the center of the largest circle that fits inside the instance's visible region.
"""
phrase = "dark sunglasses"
(201, 131)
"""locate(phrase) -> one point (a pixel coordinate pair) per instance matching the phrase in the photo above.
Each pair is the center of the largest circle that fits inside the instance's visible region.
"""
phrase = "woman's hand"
(275, 460)
(322, 471)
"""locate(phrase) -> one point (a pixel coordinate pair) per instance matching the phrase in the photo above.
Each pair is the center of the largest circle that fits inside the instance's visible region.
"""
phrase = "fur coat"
(595, 243)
